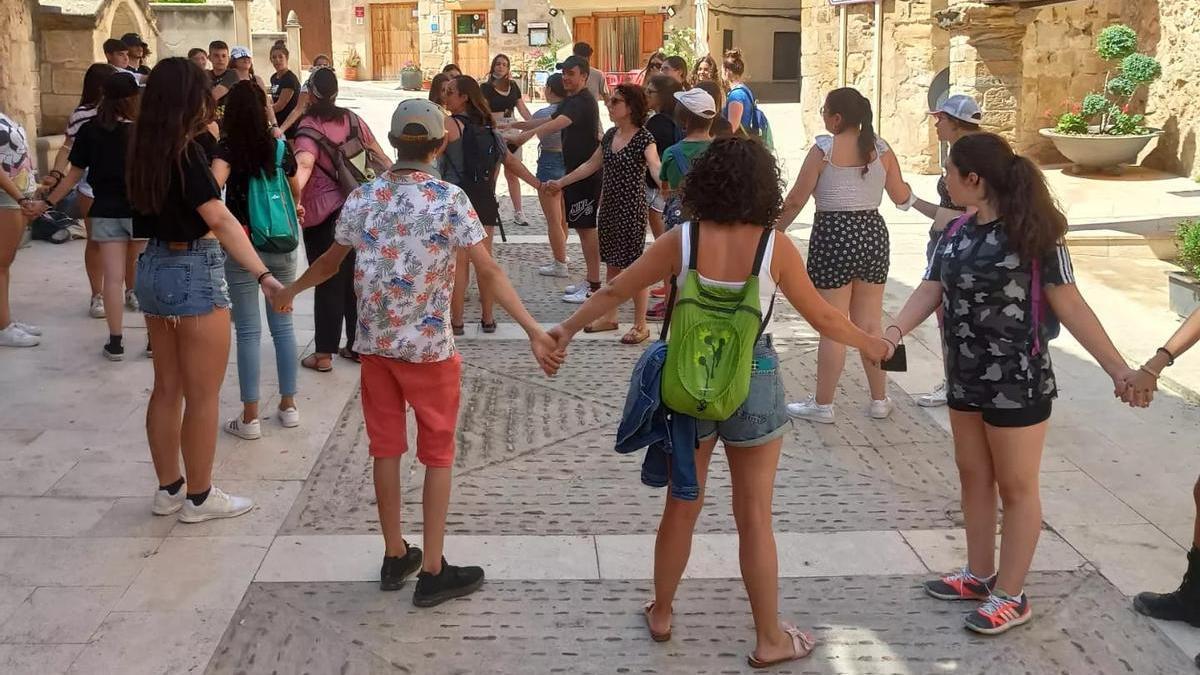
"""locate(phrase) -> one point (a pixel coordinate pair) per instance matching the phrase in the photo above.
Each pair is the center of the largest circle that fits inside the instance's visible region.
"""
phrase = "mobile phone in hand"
(898, 363)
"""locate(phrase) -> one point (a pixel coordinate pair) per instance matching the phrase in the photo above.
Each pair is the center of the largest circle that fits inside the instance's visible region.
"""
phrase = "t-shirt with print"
(102, 152)
(15, 160)
(404, 229)
(322, 194)
(80, 115)
(671, 173)
(579, 139)
(988, 329)
(279, 84)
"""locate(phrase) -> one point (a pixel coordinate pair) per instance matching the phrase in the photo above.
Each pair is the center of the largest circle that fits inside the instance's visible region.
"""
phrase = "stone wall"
(182, 27)
(1170, 31)
(18, 54)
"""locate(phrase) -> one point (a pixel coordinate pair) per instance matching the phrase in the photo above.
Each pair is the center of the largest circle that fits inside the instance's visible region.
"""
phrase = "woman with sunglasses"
(504, 98)
(625, 153)
(653, 67)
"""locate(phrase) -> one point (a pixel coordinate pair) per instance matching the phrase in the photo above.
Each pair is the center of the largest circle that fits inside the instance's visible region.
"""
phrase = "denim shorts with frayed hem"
(181, 278)
(551, 166)
(112, 229)
(762, 417)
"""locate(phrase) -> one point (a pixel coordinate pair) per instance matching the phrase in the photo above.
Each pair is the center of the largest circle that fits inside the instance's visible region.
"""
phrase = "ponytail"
(866, 136)
(1015, 185)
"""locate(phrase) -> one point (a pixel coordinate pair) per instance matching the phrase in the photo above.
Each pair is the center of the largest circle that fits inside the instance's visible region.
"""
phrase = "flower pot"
(1100, 151)
(1184, 292)
(350, 73)
(411, 80)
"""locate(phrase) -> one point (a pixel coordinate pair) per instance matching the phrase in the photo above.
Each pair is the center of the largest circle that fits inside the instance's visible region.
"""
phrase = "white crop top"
(766, 282)
(845, 188)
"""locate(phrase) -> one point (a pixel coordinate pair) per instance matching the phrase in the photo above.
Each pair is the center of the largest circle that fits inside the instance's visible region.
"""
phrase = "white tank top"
(845, 188)
(766, 282)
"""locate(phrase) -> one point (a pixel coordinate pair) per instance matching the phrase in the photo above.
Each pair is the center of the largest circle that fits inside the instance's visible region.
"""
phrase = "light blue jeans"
(244, 291)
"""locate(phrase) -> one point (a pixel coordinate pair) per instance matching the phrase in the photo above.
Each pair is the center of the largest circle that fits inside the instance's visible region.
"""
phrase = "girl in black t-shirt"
(504, 98)
(285, 86)
(181, 285)
(998, 276)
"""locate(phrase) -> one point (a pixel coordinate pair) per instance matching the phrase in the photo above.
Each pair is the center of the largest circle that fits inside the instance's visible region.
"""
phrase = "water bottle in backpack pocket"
(274, 227)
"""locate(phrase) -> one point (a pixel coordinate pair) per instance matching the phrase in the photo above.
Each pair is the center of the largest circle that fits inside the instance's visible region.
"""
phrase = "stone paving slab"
(865, 625)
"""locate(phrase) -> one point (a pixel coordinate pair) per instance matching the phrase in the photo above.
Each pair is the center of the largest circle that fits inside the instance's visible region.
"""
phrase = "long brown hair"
(717, 76)
(93, 84)
(1016, 187)
(247, 137)
(176, 106)
(478, 110)
(492, 70)
(855, 110)
(436, 86)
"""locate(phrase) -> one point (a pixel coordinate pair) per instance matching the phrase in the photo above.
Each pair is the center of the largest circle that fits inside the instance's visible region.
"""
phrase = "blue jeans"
(247, 321)
(177, 279)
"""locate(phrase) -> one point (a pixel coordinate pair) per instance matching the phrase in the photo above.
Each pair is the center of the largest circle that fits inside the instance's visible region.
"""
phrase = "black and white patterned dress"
(622, 217)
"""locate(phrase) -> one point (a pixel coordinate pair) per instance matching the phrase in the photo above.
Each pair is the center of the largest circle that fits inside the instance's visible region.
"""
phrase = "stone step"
(1105, 243)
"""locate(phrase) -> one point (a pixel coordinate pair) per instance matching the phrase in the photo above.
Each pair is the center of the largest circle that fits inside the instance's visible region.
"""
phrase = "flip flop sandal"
(487, 327)
(657, 637)
(635, 336)
(458, 329)
(601, 328)
(348, 353)
(802, 645)
(321, 365)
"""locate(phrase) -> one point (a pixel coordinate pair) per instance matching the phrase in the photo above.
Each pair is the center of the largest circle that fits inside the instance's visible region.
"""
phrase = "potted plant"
(351, 63)
(1101, 131)
(411, 76)
(1185, 285)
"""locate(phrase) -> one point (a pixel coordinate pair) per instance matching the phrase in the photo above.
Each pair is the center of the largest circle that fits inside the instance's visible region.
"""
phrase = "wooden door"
(584, 30)
(651, 35)
(394, 39)
(471, 43)
(315, 35)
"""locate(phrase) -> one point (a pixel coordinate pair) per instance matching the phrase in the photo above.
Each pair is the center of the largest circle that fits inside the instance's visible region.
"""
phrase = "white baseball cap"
(960, 107)
(698, 102)
(239, 53)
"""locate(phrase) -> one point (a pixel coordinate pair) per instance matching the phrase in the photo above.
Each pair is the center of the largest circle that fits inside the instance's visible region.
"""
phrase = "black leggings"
(333, 301)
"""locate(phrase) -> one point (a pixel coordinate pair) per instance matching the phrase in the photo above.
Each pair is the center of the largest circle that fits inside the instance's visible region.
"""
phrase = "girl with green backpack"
(722, 369)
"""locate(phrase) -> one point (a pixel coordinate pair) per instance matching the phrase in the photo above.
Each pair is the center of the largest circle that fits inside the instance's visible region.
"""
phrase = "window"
(786, 59)
(726, 40)
(470, 24)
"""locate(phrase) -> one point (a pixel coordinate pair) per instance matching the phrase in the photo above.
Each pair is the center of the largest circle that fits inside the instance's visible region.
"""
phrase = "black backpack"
(481, 155)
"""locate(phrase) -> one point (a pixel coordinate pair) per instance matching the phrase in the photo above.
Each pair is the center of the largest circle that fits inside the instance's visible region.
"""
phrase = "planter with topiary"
(1101, 131)
(351, 64)
(1184, 286)
(411, 76)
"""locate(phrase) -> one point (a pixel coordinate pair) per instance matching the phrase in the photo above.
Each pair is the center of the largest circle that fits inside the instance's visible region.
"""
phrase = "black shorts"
(483, 200)
(1011, 418)
(848, 245)
(582, 200)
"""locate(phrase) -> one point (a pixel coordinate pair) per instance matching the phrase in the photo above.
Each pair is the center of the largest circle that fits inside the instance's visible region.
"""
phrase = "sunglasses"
(655, 65)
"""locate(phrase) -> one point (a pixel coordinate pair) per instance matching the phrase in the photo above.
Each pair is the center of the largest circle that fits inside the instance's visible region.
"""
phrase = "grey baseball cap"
(960, 107)
(418, 119)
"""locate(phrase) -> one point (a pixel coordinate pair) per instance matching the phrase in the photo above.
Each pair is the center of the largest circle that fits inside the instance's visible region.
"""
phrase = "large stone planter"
(1184, 291)
(411, 80)
(1100, 151)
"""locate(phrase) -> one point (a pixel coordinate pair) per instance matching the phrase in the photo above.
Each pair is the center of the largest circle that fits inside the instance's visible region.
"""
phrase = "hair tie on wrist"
(263, 276)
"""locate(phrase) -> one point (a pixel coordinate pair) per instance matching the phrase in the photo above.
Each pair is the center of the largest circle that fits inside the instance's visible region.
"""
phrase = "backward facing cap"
(121, 84)
(418, 119)
(961, 107)
(698, 102)
(133, 40)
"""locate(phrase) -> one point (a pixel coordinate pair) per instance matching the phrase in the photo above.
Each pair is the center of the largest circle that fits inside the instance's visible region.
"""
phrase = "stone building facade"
(1023, 61)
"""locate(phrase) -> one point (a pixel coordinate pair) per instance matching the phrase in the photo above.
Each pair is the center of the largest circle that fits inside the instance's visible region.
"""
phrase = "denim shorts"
(112, 229)
(654, 199)
(551, 166)
(181, 278)
(763, 416)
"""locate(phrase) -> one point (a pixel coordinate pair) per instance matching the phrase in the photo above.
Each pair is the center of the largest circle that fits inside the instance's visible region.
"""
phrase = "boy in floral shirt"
(404, 227)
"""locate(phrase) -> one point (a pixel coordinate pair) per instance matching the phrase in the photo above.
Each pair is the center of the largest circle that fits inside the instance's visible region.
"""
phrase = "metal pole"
(878, 63)
(842, 30)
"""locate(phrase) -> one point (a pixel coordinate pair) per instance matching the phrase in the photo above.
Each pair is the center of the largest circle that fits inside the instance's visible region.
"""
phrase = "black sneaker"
(452, 582)
(113, 352)
(398, 568)
(1182, 604)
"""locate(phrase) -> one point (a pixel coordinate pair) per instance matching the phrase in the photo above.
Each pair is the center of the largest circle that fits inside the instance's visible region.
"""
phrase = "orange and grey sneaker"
(961, 585)
(1000, 613)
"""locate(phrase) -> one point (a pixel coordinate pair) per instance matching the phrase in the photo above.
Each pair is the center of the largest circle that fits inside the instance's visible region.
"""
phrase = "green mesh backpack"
(710, 349)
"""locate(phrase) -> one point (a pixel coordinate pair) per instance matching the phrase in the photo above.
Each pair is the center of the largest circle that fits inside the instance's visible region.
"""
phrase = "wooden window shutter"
(652, 35)
(585, 30)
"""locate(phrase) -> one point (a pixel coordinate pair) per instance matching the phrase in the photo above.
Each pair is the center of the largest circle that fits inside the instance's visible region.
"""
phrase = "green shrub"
(1095, 104)
(1188, 233)
(1122, 87)
(681, 42)
(1140, 69)
(1071, 123)
(1116, 42)
(1123, 124)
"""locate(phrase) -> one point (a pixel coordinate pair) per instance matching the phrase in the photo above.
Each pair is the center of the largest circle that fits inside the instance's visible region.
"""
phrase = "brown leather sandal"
(321, 364)
(657, 637)
(635, 336)
(602, 327)
(803, 644)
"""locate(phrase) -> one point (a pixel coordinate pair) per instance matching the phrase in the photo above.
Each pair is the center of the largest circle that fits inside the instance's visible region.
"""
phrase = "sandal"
(348, 353)
(601, 327)
(635, 336)
(657, 637)
(321, 364)
(458, 329)
(802, 645)
(486, 327)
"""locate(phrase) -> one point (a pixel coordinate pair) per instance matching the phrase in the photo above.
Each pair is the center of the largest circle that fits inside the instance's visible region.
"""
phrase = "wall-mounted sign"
(508, 21)
(539, 33)
(359, 11)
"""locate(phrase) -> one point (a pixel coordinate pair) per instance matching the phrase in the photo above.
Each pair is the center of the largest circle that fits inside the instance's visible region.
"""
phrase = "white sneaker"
(580, 296)
(519, 219)
(250, 431)
(13, 336)
(166, 503)
(574, 288)
(131, 301)
(289, 417)
(96, 309)
(812, 411)
(218, 505)
(934, 399)
(28, 329)
(880, 410)
(554, 269)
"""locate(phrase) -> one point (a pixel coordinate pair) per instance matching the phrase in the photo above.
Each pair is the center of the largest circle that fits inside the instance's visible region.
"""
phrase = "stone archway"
(124, 20)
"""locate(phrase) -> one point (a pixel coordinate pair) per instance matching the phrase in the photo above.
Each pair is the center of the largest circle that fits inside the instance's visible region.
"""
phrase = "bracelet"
(1146, 370)
(893, 344)
(57, 174)
(1170, 356)
(885, 330)
(263, 276)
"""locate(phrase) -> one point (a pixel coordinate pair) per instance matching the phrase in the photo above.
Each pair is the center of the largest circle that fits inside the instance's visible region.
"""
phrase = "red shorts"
(389, 386)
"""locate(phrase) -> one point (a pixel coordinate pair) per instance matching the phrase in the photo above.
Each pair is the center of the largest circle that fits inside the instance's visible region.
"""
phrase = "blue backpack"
(274, 227)
(759, 125)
